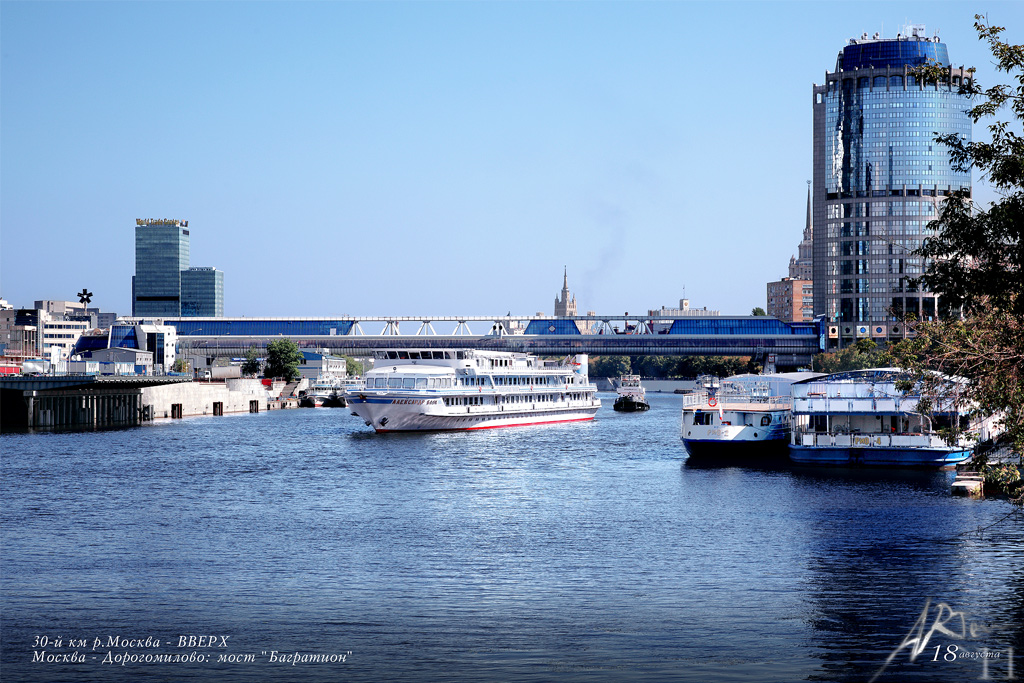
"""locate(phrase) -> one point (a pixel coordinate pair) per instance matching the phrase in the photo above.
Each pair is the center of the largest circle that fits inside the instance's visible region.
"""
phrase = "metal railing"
(736, 401)
(868, 440)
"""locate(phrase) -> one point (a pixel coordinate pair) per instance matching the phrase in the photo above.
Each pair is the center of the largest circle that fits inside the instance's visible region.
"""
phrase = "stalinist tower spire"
(801, 266)
(565, 305)
(808, 233)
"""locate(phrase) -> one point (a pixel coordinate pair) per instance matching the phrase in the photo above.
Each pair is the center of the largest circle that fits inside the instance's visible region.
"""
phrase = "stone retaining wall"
(204, 398)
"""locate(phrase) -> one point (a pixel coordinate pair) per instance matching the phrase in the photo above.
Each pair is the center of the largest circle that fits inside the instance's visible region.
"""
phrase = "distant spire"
(808, 229)
(565, 305)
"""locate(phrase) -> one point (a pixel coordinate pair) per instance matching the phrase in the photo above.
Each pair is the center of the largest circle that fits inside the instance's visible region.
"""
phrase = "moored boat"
(329, 391)
(740, 417)
(430, 389)
(861, 418)
(631, 395)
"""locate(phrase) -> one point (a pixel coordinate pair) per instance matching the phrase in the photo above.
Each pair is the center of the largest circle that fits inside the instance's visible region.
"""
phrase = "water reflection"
(589, 552)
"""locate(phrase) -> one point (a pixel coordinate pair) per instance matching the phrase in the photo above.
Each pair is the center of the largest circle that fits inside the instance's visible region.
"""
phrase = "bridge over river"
(790, 344)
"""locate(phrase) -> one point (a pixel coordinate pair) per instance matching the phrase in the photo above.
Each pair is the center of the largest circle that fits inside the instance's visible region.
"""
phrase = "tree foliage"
(859, 356)
(654, 366)
(677, 367)
(690, 367)
(975, 262)
(353, 367)
(283, 359)
(987, 349)
(609, 366)
(251, 365)
(758, 311)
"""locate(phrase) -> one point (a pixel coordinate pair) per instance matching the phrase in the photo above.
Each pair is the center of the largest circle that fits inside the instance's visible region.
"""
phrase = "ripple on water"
(587, 551)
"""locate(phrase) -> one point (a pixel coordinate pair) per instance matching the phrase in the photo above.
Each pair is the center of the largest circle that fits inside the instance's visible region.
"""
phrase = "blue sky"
(428, 158)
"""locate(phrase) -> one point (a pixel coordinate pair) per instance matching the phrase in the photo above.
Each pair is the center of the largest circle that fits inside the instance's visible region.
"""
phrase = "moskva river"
(298, 545)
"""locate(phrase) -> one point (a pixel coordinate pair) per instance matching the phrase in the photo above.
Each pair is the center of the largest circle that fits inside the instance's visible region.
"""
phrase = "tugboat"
(631, 395)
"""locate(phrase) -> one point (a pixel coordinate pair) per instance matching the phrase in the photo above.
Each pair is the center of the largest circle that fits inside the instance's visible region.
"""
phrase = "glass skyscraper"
(164, 286)
(161, 253)
(879, 178)
(202, 292)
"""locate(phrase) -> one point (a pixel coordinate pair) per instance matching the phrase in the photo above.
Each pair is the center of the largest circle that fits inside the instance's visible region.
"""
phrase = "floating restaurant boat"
(430, 389)
(744, 416)
(631, 395)
(861, 418)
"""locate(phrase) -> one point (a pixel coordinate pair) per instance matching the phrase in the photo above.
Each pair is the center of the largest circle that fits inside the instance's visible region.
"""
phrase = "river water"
(579, 552)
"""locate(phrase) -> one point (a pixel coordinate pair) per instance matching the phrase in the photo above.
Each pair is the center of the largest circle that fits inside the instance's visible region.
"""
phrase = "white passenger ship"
(429, 389)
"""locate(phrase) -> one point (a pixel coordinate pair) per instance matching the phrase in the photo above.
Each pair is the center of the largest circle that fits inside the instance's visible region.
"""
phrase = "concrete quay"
(87, 402)
(205, 398)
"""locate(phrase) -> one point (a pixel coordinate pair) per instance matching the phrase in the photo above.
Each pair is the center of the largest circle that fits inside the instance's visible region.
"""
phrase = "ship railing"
(868, 440)
(491, 408)
(736, 401)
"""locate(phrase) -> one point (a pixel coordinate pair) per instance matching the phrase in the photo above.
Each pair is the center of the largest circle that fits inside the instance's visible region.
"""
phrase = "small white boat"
(329, 390)
(430, 389)
(631, 395)
(744, 416)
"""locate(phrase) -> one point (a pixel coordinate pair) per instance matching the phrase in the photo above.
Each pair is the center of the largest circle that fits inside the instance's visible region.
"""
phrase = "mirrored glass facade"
(879, 178)
(161, 253)
(202, 292)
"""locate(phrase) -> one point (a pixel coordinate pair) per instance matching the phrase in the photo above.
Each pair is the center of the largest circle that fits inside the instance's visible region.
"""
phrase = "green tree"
(251, 366)
(758, 311)
(858, 356)
(976, 257)
(180, 365)
(283, 359)
(609, 366)
(652, 366)
(720, 366)
(975, 262)
(353, 367)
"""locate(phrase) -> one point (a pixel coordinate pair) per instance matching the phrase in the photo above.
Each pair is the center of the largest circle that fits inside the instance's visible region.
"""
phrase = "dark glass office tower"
(161, 253)
(202, 293)
(879, 178)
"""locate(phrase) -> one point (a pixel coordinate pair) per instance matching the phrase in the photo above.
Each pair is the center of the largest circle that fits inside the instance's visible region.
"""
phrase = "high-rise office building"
(879, 178)
(164, 286)
(161, 253)
(202, 292)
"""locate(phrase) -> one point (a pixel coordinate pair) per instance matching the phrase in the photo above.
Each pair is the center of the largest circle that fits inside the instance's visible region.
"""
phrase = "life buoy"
(712, 402)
